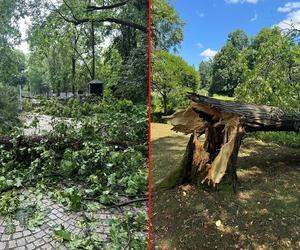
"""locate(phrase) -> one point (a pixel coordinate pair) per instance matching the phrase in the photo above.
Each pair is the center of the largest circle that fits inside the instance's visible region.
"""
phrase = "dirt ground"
(264, 214)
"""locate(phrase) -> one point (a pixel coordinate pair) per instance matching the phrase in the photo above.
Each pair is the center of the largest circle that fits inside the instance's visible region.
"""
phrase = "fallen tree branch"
(106, 7)
(6, 141)
(130, 202)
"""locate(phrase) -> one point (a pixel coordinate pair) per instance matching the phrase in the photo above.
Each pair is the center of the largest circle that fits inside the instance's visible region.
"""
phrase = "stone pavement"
(41, 237)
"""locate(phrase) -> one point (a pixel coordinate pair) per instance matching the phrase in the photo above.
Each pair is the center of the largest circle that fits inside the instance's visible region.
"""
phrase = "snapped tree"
(224, 124)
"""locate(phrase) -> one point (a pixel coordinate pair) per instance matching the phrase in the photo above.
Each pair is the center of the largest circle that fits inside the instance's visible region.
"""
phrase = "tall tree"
(172, 78)
(205, 72)
(229, 64)
(274, 71)
(12, 62)
(167, 27)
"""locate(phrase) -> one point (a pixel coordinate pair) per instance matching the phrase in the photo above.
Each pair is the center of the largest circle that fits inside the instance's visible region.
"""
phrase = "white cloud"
(254, 18)
(288, 7)
(200, 45)
(292, 21)
(208, 53)
(241, 1)
(200, 14)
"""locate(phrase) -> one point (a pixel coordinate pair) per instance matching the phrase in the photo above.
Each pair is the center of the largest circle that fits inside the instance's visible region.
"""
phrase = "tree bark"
(93, 51)
(224, 124)
(30, 141)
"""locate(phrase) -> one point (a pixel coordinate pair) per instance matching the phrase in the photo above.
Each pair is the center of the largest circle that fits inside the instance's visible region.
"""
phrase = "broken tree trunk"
(224, 124)
(8, 142)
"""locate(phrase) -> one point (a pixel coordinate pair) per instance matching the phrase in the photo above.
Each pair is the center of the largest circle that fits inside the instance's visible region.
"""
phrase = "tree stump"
(224, 124)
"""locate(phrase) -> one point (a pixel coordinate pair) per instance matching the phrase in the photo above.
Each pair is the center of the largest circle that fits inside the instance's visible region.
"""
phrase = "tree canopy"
(172, 78)
(264, 69)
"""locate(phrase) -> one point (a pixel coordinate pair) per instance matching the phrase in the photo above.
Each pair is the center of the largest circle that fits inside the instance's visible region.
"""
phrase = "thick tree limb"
(130, 202)
(77, 21)
(73, 143)
(224, 123)
(218, 112)
(106, 7)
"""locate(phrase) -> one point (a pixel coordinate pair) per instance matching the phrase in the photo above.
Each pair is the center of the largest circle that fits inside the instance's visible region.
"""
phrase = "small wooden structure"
(224, 124)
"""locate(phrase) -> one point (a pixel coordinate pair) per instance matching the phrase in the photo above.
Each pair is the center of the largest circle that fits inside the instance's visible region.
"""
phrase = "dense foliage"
(273, 73)
(264, 69)
(72, 43)
(172, 78)
(167, 27)
(229, 65)
(90, 156)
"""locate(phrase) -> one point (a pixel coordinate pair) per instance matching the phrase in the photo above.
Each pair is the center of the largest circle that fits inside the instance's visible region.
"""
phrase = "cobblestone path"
(55, 214)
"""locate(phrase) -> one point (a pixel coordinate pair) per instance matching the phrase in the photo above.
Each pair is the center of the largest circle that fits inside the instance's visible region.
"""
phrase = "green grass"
(291, 139)
(222, 97)
(264, 214)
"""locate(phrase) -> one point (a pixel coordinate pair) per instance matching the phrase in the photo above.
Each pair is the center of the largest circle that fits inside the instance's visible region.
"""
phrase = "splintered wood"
(224, 123)
(212, 158)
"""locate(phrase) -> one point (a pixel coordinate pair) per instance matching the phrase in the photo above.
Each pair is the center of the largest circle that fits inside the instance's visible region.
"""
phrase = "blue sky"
(208, 22)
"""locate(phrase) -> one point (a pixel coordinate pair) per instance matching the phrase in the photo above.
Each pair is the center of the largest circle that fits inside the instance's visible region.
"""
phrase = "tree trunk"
(93, 52)
(224, 123)
(165, 103)
(73, 74)
(34, 140)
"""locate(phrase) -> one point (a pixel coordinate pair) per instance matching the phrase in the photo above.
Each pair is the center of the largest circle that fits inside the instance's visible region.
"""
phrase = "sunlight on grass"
(245, 195)
(252, 172)
(222, 97)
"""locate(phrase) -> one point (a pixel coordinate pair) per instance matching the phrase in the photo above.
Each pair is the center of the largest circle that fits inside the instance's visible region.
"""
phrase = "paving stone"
(48, 231)
(21, 248)
(55, 206)
(36, 230)
(62, 248)
(19, 229)
(16, 222)
(12, 244)
(5, 237)
(26, 233)
(21, 242)
(47, 247)
(42, 237)
(17, 235)
(47, 238)
(61, 209)
(39, 235)
(52, 216)
(39, 242)
(30, 239)
(55, 244)
(30, 246)
(3, 245)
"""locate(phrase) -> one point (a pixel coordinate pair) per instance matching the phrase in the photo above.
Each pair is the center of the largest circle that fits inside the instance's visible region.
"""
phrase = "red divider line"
(149, 124)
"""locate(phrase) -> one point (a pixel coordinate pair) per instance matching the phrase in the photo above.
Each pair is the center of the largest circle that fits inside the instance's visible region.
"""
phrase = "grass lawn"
(264, 214)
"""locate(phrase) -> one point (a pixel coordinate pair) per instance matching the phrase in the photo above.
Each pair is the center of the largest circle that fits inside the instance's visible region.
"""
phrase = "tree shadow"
(264, 214)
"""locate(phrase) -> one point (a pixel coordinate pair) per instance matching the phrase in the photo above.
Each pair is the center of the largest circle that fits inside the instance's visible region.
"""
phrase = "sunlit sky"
(208, 22)
(23, 26)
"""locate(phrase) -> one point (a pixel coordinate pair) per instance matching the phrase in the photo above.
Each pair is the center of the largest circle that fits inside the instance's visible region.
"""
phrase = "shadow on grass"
(167, 152)
(264, 214)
